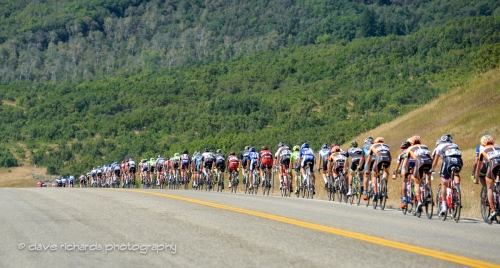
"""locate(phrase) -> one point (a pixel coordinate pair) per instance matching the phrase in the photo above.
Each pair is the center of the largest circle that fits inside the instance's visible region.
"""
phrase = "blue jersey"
(198, 159)
(306, 154)
(366, 150)
(324, 154)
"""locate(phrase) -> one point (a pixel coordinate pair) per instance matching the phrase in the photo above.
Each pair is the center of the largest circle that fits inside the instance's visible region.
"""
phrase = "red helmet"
(263, 148)
(232, 153)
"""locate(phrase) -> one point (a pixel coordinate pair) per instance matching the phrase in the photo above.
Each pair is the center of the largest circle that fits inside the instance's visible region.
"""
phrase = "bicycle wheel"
(338, 191)
(429, 202)
(485, 205)
(383, 193)
(456, 206)
(329, 189)
(360, 191)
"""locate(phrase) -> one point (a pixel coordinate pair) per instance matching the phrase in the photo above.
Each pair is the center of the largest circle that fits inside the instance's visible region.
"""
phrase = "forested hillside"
(86, 83)
(75, 40)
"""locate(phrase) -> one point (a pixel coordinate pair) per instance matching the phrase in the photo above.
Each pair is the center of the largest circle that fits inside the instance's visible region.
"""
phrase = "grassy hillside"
(467, 113)
(319, 93)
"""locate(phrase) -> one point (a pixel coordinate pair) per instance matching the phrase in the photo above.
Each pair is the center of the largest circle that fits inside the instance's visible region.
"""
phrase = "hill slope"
(467, 113)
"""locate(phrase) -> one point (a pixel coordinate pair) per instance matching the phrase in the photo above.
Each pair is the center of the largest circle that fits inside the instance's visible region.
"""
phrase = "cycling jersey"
(307, 156)
(159, 164)
(423, 160)
(244, 157)
(198, 159)
(285, 155)
(185, 161)
(233, 162)
(491, 155)
(382, 155)
(131, 165)
(294, 157)
(355, 154)
(220, 162)
(452, 157)
(338, 160)
(365, 151)
(324, 155)
(484, 167)
(266, 159)
(253, 157)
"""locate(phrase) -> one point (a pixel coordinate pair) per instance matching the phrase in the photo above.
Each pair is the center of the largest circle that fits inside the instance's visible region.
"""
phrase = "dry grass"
(467, 113)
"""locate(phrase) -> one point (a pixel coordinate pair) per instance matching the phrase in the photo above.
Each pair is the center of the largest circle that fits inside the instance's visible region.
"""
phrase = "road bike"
(219, 180)
(453, 198)
(409, 197)
(381, 195)
(266, 182)
(234, 181)
(309, 186)
(356, 190)
(340, 186)
(485, 205)
(426, 197)
(286, 185)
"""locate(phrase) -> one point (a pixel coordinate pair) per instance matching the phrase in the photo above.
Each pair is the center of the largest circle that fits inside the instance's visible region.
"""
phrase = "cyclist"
(185, 160)
(355, 153)
(382, 155)
(337, 162)
(232, 163)
(452, 156)
(482, 173)
(82, 181)
(266, 161)
(93, 173)
(220, 164)
(404, 178)
(253, 160)
(365, 151)
(71, 179)
(244, 159)
(208, 162)
(491, 154)
(131, 167)
(159, 167)
(423, 163)
(196, 165)
(99, 173)
(294, 158)
(306, 156)
(276, 155)
(176, 161)
(64, 181)
(323, 156)
(283, 160)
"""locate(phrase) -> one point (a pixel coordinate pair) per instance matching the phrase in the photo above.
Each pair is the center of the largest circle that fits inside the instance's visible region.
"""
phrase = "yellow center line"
(367, 238)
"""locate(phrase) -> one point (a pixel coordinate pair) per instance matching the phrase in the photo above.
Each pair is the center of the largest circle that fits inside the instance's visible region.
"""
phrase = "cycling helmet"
(211, 151)
(305, 145)
(159, 156)
(281, 144)
(176, 154)
(415, 140)
(354, 144)
(324, 146)
(252, 149)
(130, 159)
(206, 150)
(446, 138)
(263, 148)
(232, 153)
(185, 152)
(296, 148)
(379, 140)
(487, 140)
(98, 166)
(405, 145)
(369, 140)
(333, 145)
(335, 149)
(247, 148)
(219, 151)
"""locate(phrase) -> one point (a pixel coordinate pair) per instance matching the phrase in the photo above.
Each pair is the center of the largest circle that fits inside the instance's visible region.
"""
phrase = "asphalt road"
(59, 227)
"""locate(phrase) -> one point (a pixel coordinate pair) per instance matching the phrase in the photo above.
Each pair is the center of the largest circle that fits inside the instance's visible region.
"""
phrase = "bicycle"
(266, 183)
(453, 198)
(330, 190)
(307, 180)
(410, 197)
(381, 194)
(218, 180)
(234, 181)
(427, 200)
(340, 187)
(256, 179)
(185, 180)
(357, 189)
(286, 186)
(485, 205)
(246, 182)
